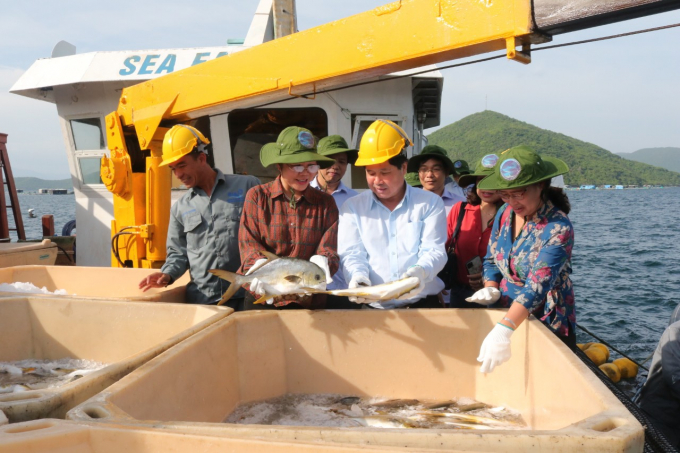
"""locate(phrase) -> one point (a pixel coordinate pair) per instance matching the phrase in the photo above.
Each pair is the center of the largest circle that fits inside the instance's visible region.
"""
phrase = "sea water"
(626, 266)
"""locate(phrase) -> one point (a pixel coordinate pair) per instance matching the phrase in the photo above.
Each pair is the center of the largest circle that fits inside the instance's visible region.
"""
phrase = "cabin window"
(89, 170)
(87, 134)
(250, 129)
(359, 125)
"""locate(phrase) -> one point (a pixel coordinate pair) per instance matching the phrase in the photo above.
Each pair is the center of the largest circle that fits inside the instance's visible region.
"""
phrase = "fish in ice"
(281, 276)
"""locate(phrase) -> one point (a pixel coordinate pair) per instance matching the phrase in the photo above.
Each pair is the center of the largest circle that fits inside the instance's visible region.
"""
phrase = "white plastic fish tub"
(23, 253)
(410, 354)
(106, 283)
(43, 436)
(120, 334)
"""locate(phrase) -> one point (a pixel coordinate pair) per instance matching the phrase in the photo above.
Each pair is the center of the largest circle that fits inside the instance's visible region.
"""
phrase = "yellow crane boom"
(398, 36)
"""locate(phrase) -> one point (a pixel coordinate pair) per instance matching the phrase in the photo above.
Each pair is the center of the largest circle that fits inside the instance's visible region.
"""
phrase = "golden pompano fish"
(282, 276)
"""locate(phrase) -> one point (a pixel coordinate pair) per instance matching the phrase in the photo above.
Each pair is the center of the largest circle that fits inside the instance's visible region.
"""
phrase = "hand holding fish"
(419, 273)
(259, 288)
(356, 282)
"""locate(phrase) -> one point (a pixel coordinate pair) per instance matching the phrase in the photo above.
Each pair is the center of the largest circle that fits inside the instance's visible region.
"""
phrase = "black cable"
(115, 248)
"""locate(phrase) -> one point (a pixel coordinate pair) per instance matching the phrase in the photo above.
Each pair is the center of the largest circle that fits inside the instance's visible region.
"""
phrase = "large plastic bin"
(120, 334)
(422, 354)
(22, 253)
(50, 436)
(109, 283)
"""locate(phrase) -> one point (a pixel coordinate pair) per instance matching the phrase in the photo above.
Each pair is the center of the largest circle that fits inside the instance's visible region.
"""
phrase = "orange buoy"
(612, 372)
(602, 348)
(584, 346)
(596, 355)
(627, 367)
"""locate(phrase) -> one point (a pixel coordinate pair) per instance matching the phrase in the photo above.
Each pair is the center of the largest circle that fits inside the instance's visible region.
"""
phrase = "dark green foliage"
(490, 132)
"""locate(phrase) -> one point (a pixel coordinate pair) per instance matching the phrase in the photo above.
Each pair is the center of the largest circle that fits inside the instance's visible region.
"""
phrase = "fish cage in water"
(119, 334)
(428, 355)
(93, 283)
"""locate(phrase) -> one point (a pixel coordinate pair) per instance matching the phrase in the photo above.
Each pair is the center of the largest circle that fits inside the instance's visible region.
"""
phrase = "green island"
(490, 132)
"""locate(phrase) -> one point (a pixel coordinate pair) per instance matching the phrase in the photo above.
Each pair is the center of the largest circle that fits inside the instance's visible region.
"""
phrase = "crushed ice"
(31, 374)
(30, 288)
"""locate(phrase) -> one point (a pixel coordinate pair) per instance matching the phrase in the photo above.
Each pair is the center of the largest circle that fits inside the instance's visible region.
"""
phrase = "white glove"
(414, 271)
(485, 296)
(256, 265)
(495, 348)
(322, 262)
(355, 282)
(260, 288)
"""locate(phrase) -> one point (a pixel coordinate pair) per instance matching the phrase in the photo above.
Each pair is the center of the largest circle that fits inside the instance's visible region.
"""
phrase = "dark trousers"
(341, 303)
(458, 294)
(248, 304)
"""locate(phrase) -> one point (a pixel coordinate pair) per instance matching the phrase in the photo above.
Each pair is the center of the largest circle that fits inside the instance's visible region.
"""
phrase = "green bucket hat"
(484, 168)
(295, 145)
(429, 152)
(461, 167)
(335, 144)
(521, 166)
(412, 179)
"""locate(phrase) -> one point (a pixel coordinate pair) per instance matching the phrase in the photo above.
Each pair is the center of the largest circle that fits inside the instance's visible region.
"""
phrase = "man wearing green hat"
(460, 168)
(329, 180)
(528, 262)
(433, 167)
(289, 218)
(203, 228)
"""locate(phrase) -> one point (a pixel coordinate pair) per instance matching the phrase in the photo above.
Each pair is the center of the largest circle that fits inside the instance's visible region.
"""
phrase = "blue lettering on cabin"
(168, 64)
(148, 63)
(199, 58)
(129, 65)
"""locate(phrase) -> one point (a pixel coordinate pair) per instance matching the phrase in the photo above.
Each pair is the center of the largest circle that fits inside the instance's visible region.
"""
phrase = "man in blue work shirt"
(394, 230)
(203, 230)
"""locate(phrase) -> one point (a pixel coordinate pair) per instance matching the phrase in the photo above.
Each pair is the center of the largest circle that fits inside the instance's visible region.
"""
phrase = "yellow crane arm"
(398, 36)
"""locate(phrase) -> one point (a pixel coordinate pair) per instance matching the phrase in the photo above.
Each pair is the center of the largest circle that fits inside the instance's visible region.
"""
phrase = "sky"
(621, 94)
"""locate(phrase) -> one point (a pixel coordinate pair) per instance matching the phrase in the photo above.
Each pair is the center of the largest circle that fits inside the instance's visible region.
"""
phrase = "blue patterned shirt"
(534, 270)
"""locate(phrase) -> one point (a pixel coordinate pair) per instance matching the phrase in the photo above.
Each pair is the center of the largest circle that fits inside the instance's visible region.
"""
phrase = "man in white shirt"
(393, 231)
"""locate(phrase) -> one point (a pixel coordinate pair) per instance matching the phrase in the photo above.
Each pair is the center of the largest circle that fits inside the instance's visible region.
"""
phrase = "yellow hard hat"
(179, 141)
(382, 141)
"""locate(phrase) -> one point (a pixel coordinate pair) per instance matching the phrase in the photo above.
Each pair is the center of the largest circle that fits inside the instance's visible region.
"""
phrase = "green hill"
(31, 184)
(490, 132)
(668, 158)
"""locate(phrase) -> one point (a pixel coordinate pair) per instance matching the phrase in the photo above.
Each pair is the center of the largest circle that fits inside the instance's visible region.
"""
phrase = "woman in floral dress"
(528, 261)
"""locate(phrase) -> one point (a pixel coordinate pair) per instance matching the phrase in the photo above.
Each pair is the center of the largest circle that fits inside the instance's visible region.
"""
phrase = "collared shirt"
(381, 245)
(203, 235)
(453, 187)
(450, 199)
(471, 241)
(534, 269)
(270, 223)
(340, 195)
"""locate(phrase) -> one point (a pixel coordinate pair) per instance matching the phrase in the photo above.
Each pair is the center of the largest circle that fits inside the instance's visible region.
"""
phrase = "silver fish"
(384, 291)
(282, 276)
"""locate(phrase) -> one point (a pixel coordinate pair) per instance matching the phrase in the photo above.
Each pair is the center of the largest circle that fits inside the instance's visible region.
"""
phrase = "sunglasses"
(312, 168)
(513, 196)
